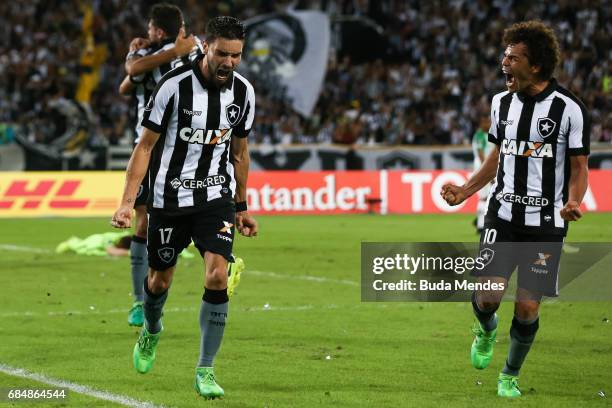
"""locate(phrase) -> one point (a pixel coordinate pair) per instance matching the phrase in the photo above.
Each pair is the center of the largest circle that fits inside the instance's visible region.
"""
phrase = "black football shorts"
(537, 256)
(210, 230)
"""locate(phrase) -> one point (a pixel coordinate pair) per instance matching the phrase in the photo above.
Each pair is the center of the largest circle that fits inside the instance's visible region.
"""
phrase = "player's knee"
(526, 310)
(216, 278)
(158, 283)
(488, 305)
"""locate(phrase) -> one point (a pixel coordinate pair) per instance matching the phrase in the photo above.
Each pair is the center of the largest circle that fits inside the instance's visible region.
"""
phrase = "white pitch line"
(170, 310)
(309, 278)
(78, 388)
(301, 277)
(21, 248)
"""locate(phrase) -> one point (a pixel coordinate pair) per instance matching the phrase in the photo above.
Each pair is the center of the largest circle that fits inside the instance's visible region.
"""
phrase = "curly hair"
(542, 45)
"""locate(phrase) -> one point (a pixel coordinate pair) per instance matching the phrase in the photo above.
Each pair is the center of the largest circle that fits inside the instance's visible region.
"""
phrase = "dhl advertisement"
(39, 194)
(73, 194)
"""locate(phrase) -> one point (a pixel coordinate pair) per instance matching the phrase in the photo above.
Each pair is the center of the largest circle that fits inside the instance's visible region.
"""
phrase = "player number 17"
(165, 235)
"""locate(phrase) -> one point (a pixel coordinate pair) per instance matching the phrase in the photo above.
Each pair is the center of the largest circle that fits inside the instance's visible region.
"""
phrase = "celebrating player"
(541, 134)
(196, 125)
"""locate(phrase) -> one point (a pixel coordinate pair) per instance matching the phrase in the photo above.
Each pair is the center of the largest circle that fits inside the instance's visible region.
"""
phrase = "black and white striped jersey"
(536, 136)
(145, 83)
(191, 166)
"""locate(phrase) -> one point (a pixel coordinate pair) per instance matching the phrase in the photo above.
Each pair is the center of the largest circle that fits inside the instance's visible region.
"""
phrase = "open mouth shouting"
(222, 74)
(510, 81)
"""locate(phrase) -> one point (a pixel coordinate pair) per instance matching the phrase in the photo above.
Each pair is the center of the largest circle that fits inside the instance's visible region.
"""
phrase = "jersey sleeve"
(141, 52)
(493, 136)
(160, 105)
(243, 128)
(579, 131)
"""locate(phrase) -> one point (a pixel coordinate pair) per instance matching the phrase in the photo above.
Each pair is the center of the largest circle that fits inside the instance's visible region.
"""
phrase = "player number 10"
(489, 236)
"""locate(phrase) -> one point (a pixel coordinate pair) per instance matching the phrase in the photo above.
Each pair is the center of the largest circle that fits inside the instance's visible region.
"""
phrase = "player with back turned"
(195, 138)
(165, 47)
(541, 134)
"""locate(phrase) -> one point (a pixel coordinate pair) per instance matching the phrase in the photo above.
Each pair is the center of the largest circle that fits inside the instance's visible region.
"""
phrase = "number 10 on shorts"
(165, 235)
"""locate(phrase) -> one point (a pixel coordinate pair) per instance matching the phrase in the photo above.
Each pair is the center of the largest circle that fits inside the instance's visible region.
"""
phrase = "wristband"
(241, 206)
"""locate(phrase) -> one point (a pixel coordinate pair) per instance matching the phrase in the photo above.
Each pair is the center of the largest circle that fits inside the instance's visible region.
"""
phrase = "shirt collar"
(160, 44)
(552, 85)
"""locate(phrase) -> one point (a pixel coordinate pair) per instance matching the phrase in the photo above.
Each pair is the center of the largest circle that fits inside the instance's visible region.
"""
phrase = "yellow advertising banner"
(73, 194)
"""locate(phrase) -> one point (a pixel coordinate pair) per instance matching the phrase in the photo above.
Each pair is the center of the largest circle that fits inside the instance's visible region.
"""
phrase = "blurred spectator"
(440, 70)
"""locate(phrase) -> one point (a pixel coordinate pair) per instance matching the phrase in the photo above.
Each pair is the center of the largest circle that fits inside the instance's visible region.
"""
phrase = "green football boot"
(482, 347)
(136, 315)
(144, 351)
(507, 386)
(234, 270)
(206, 384)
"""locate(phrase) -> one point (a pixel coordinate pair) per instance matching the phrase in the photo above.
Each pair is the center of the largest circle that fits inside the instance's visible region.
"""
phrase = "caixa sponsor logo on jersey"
(527, 149)
(525, 200)
(195, 184)
(205, 137)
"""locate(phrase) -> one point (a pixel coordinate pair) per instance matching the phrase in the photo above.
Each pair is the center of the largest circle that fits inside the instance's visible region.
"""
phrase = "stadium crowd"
(440, 69)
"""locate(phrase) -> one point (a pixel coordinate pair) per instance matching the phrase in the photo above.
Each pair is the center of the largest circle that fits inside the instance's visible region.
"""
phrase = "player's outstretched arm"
(455, 195)
(579, 181)
(136, 170)
(182, 46)
(245, 223)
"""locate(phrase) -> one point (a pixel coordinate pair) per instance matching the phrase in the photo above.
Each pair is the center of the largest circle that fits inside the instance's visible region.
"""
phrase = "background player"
(481, 147)
(204, 112)
(537, 127)
(147, 61)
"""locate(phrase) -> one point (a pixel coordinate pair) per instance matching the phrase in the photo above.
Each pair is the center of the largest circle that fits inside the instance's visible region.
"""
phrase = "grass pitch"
(297, 334)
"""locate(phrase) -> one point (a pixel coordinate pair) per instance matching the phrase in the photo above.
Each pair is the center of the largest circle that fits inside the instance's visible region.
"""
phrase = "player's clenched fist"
(122, 217)
(571, 211)
(246, 225)
(452, 194)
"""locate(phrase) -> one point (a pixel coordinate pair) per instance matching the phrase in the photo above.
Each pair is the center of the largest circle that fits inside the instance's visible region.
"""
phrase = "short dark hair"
(168, 17)
(542, 45)
(225, 27)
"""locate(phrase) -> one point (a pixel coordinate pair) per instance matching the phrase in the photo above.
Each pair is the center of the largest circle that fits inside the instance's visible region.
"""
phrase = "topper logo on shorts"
(541, 264)
(205, 137)
(195, 184)
(523, 148)
(227, 227)
(541, 259)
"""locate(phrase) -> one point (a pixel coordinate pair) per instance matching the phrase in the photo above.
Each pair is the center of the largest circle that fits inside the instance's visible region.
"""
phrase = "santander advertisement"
(81, 194)
(385, 192)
